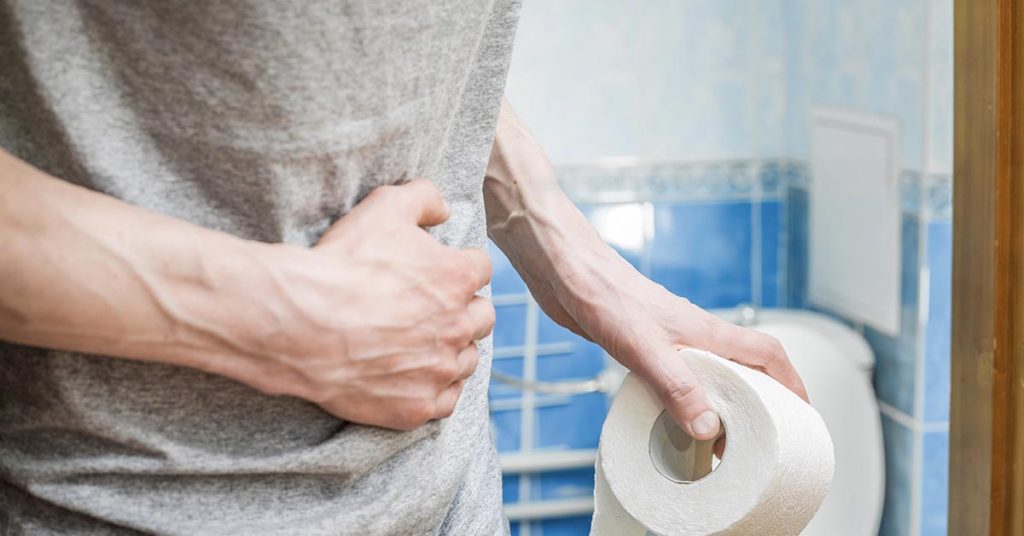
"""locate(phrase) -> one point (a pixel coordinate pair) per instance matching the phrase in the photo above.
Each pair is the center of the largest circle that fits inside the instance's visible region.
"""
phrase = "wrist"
(593, 276)
(225, 310)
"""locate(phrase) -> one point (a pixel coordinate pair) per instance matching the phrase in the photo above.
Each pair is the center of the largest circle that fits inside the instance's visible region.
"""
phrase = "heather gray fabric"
(268, 120)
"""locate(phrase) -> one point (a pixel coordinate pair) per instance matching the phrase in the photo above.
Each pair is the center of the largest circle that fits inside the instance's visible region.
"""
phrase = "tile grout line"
(909, 422)
(528, 414)
(923, 293)
(499, 300)
(756, 262)
(645, 258)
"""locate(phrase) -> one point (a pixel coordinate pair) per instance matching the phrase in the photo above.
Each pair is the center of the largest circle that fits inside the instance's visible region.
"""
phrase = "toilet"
(835, 363)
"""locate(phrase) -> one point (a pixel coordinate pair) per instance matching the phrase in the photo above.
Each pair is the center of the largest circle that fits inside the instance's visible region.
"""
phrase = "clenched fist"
(378, 322)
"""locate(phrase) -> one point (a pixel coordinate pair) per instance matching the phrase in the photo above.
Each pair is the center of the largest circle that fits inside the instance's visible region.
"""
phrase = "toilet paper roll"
(775, 472)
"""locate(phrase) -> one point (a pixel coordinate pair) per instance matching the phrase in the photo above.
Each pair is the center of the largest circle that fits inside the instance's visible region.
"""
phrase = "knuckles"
(447, 370)
(414, 415)
(459, 331)
(680, 390)
(445, 411)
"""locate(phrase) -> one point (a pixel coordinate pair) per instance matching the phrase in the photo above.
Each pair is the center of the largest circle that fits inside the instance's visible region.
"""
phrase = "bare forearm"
(83, 271)
(588, 288)
(377, 323)
(544, 234)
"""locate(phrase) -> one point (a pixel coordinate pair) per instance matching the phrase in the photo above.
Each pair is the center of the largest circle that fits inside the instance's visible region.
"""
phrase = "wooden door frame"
(986, 493)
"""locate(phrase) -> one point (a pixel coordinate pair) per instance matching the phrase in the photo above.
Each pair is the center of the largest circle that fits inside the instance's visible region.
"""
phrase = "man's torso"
(268, 121)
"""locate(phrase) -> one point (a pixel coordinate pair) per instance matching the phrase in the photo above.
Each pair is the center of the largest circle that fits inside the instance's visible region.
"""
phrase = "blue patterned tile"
(702, 251)
(514, 529)
(796, 247)
(576, 425)
(939, 197)
(771, 271)
(506, 426)
(935, 484)
(569, 526)
(899, 447)
(773, 178)
(937, 332)
(911, 184)
(504, 278)
(896, 357)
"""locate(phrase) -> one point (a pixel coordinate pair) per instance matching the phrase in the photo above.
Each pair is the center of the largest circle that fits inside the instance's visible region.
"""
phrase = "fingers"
(418, 202)
(447, 400)
(683, 397)
(477, 264)
(481, 314)
(468, 359)
(421, 201)
(758, 351)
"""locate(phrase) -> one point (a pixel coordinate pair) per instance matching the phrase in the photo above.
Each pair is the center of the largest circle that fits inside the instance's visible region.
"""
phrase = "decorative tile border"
(939, 200)
(910, 191)
(930, 197)
(627, 181)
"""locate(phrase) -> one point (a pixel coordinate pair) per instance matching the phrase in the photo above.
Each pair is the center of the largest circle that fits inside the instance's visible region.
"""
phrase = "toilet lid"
(843, 396)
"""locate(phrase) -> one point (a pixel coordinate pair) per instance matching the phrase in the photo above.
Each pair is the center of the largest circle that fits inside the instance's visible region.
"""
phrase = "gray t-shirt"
(268, 120)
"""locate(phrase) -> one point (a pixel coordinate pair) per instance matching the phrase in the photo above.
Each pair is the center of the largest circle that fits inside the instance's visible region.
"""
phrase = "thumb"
(683, 396)
(416, 202)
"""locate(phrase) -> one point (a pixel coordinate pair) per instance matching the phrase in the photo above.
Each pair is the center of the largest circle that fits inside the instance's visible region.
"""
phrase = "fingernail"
(706, 424)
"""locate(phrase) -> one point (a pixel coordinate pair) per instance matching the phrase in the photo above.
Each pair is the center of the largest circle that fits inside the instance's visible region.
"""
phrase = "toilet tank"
(835, 364)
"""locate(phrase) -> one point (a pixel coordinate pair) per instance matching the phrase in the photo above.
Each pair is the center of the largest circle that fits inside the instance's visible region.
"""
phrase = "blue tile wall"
(899, 445)
(629, 217)
(700, 247)
(937, 333)
(940, 114)
(512, 319)
(566, 484)
(576, 425)
(510, 488)
(720, 80)
(935, 483)
(771, 259)
(797, 242)
(692, 80)
(585, 361)
(512, 366)
(863, 55)
(896, 357)
(702, 251)
(506, 425)
(570, 525)
(700, 244)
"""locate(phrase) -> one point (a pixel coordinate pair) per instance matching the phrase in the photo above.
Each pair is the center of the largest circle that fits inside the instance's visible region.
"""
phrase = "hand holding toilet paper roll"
(775, 472)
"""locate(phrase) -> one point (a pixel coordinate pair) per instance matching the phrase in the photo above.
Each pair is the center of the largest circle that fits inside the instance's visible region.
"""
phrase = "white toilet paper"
(775, 472)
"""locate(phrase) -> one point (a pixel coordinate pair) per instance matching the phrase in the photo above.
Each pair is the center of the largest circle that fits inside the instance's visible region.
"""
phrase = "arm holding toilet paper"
(585, 286)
